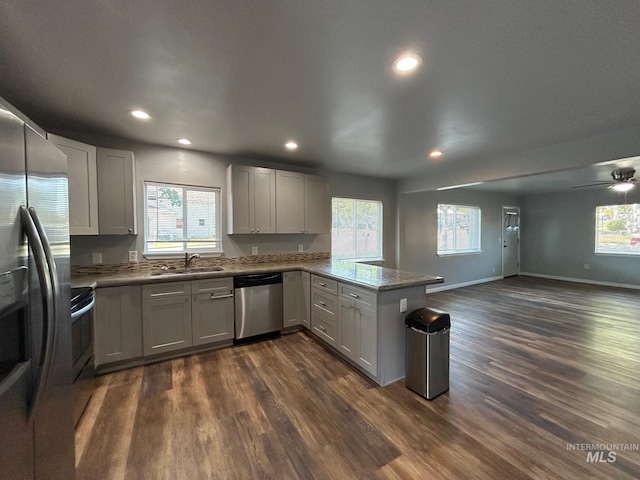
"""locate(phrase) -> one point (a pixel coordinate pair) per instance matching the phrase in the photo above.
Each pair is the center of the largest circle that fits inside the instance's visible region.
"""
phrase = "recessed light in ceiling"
(406, 63)
(184, 141)
(291, 145)
(140, 114)
(435, 153)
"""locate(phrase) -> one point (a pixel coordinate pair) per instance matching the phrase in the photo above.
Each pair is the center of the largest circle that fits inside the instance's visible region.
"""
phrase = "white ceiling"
(243, 77)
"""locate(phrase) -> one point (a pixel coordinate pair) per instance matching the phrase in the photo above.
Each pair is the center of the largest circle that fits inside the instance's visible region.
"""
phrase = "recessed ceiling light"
(406, 63)
(140, 114)
(184, 141)
(435, 153)
(291, 145)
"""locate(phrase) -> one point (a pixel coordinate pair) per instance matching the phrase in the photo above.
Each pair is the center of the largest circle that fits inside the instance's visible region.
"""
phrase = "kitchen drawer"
(324, 301)
(324, 284)
(326, 331)
(162, 290)
(362, 297)
(216, 286)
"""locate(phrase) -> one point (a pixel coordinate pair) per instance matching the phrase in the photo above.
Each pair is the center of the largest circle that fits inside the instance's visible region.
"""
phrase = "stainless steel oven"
(82, 302)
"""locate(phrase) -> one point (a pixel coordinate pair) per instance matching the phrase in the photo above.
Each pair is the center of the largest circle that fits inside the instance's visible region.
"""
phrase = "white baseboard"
(581, 280)
(442, 288)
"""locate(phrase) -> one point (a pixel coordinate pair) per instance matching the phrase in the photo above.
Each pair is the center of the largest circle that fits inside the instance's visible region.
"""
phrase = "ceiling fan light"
(622, 187)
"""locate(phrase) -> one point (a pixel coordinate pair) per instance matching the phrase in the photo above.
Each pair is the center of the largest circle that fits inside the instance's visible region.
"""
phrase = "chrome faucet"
(188, 258)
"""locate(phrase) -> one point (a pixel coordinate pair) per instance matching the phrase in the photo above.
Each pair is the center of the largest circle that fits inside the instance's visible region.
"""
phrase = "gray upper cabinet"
(290, 202)
(302, 203)
(118, 326)
(116, 192)
(83, 185)
(317, 205)
(251, 199)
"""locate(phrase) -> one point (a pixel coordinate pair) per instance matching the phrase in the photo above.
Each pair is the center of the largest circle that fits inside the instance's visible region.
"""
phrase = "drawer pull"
(323, 304)
(322, 284)
(214, 297)
(354, 295)
(320, 327)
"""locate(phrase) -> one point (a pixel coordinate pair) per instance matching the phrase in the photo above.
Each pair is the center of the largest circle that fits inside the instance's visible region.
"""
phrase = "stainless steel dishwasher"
(258, 301)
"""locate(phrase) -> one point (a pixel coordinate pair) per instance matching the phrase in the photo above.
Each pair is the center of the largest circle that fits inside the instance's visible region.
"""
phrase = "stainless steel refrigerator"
(36, 402)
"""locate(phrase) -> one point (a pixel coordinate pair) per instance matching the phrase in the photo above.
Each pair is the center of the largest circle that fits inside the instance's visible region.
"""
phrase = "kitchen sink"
(177, 271)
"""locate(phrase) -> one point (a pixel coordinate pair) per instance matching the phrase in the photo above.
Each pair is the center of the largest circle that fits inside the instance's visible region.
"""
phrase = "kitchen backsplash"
(108, 269)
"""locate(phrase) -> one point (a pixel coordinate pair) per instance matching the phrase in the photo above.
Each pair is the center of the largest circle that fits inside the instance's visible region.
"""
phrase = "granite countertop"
(362, 275)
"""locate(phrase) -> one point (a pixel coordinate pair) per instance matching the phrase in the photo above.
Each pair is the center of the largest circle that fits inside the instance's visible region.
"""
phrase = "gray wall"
(183, 166)
(558, 237)
(417, 232)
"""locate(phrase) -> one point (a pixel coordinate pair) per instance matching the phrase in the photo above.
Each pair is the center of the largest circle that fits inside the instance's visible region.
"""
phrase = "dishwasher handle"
(256, 279)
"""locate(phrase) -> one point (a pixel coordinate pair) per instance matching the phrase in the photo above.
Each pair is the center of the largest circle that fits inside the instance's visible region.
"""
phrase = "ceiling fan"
(623, 180)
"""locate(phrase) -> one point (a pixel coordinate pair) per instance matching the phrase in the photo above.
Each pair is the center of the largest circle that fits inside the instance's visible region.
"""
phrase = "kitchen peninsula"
(356, 310)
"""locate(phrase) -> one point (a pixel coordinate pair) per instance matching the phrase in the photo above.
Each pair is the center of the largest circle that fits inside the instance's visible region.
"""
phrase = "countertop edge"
(128, 279)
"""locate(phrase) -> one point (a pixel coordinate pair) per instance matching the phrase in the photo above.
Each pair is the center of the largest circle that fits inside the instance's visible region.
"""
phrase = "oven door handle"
(83, 310)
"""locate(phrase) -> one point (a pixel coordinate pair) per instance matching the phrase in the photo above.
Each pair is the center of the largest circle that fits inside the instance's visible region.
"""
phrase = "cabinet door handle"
(354, 295)
(258, 231)
(322, 284)
(131, 230)
(323, 304)
(213, 296)
(252, 230)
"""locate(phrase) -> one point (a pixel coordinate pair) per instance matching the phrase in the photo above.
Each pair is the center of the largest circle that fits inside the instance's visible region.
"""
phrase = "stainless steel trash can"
(427, 355)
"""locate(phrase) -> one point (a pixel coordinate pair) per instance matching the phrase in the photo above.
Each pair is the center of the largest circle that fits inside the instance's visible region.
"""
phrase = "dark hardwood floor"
(537, 366)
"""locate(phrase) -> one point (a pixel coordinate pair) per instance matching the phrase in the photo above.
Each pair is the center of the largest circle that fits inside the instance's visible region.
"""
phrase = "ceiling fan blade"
(593, 185)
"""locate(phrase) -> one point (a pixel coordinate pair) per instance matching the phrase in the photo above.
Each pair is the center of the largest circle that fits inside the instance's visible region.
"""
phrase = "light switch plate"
(133, 256)
(96, 258)
(254, 250)
(300, 248)
(403, 305)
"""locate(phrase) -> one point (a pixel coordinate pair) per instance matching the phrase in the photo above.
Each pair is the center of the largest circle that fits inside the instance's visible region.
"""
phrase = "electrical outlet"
(133, 256)
(96, 258)
(254, 250)
(403, 305)
(300, 248)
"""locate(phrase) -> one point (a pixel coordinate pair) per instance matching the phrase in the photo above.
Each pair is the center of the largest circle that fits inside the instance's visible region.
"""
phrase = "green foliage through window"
(356, 229)
(618, 229)
(181, 218)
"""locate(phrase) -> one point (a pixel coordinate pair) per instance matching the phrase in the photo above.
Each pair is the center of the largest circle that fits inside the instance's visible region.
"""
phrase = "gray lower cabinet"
(306, 299)
(166, 317)
(212, 310)
(118, 330)
(358, 333)
(292, 301)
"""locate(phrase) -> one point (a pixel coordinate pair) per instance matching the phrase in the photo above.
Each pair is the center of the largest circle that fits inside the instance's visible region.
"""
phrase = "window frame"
(456, 251)
(634, 248)
(355, 257)
(207, 251)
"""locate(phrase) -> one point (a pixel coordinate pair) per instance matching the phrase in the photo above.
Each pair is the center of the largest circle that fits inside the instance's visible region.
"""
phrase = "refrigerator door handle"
(46, 288)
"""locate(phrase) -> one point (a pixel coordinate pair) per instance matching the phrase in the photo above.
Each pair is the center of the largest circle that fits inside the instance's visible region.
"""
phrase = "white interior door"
(510, 241)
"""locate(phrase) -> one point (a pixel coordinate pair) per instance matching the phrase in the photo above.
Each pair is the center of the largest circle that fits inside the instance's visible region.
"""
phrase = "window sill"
(618, 254)
(359, 260)
(172, 255)
(458, 254)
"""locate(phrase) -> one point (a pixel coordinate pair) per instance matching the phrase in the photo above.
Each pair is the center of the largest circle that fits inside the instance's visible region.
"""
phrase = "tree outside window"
(356, 229)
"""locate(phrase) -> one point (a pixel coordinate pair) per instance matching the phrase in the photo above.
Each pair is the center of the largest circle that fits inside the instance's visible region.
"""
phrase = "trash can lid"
(428, 320)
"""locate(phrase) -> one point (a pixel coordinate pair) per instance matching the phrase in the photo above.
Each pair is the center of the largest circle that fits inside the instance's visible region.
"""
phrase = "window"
(356, 229)
(181, 218)
(618, 229)
(458, 229)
